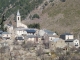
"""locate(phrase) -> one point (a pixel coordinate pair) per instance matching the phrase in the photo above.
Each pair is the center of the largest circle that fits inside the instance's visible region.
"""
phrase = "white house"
(50, 34)
(19, 31)
(23, 31)
(67, 36)
(76, 43)
(6, 35)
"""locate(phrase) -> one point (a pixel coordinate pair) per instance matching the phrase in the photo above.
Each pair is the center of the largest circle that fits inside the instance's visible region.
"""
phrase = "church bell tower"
(18, 18)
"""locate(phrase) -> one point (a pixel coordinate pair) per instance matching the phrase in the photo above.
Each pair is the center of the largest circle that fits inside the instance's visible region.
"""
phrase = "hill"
(57, 15)
(8, 7)
(60, 16)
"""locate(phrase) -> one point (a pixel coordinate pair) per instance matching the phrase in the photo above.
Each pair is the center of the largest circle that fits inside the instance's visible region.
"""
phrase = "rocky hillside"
(57, 15)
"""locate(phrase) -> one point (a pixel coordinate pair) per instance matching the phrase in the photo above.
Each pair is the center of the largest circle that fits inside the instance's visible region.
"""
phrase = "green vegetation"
(35, 16)
(35, 25)
(9, 7)
(2, 23)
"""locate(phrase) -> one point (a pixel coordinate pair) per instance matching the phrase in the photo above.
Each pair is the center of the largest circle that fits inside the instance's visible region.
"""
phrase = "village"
(23, 43)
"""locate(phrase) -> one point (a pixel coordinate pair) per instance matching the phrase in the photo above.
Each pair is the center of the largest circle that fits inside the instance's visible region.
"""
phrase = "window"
(18, 18)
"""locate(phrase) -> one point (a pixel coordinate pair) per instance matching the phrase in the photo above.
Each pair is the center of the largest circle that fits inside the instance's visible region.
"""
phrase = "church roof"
(30, 31)
(18, 14)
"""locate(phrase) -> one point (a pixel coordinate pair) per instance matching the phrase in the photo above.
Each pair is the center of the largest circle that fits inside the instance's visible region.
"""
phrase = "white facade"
(76, 43)
(18, 18)
(51, 38)
(33, 39)
(69, 37)
(19, 23)
(6, 35)
(19, 31)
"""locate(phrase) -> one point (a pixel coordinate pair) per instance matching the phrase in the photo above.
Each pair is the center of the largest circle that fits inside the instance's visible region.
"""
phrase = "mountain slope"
(8, 7)
(59, 16)
(55, 15)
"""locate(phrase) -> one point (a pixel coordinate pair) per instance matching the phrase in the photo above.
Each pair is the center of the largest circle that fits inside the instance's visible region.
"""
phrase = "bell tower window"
(18, 18)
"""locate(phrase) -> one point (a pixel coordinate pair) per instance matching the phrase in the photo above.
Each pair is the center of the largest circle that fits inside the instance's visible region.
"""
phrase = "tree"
(35, 16)
(2, 22)
(63, 0)
(10, 22)
(35, 25)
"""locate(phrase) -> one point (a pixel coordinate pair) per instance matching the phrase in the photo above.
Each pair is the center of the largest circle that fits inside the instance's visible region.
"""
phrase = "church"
(19, 23)
(21, 29)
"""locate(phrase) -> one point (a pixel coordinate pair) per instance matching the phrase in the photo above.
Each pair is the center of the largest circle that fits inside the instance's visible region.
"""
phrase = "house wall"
(58, 44)
(76, 43)
(6, 35)
(33, 40)
(20, 32)
(69, 37)
(51, 38)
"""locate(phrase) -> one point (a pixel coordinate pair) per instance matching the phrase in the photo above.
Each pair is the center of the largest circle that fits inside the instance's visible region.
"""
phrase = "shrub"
(35, 25)
(35, 16)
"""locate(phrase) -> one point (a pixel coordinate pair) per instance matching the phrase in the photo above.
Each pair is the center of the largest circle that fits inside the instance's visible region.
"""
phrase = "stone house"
(50, 34)
(33, 38)
(56, 43)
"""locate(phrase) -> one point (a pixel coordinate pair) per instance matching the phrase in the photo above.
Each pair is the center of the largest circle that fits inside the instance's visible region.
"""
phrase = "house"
(76, 43)
(72, 43)
(19, 31)
(6, 35)
(67, 36)
(33, 38)
(51, 35)
(56, 43)
(22, 31)
(19, 39)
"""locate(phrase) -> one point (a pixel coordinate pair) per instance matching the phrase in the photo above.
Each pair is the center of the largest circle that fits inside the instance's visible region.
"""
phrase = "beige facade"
(57, 43)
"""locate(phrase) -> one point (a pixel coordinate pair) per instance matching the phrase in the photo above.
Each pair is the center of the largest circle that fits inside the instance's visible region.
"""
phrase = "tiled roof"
(5, 33)
(19, 38)
(48, 31)
(33, 36)
(30, 31)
